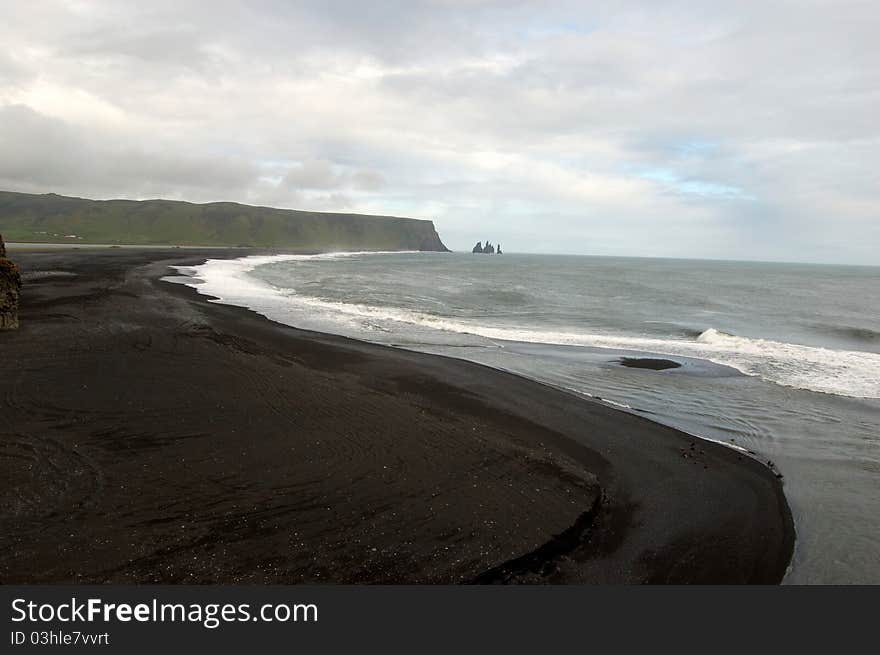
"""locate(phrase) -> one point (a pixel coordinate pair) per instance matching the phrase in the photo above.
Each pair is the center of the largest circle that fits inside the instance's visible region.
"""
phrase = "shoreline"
(660, 507)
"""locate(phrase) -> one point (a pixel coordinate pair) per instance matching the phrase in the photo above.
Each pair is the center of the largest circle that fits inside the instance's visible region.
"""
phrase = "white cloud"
(745, 130)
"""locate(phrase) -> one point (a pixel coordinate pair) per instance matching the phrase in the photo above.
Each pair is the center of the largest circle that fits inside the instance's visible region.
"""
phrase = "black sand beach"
(147, 435)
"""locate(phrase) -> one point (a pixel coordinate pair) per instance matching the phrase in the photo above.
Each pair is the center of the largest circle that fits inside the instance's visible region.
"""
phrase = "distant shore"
(149, 435)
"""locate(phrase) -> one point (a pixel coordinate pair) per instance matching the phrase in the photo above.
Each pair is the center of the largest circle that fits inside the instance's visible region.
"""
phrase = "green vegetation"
(49, 218)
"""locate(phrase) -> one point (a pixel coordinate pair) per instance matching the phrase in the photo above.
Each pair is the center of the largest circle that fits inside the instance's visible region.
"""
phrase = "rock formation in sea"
(10, 291)
(488, 249)
(498, 252)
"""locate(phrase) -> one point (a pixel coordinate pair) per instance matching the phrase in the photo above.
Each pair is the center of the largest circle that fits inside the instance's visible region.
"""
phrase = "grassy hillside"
(54, 218)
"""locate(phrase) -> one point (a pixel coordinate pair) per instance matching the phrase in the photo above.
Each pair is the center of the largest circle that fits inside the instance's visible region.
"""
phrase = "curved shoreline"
(673, 510)
(815, 368)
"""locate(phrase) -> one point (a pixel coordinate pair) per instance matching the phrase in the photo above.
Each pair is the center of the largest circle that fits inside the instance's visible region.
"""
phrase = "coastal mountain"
(53, 218)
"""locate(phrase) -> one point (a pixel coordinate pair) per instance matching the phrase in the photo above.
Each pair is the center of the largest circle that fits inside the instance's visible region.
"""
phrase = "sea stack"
(10, 290)
(488, 249)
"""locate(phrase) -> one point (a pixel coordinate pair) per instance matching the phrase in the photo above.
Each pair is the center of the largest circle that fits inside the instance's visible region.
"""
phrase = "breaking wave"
(841, 372)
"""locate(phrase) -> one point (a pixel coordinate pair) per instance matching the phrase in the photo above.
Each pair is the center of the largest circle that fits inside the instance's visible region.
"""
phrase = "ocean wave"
(865, 335)
(840, 372)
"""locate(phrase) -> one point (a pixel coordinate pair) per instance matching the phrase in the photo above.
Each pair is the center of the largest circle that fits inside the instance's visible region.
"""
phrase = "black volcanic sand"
(650, 363)
(147, 435)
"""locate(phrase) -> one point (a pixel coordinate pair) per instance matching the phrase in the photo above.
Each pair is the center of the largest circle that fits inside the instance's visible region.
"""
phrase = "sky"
(672, 129)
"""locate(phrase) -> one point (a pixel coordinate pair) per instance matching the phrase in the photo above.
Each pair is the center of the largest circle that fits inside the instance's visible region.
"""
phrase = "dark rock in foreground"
(10, 290)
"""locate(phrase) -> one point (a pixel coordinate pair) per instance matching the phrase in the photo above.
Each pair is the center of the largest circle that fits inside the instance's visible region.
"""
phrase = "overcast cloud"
(730, 130)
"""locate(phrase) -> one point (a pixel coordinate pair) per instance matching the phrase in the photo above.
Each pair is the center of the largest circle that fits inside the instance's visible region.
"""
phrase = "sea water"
(779, 359)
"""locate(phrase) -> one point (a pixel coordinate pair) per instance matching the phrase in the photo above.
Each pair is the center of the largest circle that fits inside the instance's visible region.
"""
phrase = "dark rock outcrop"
(499, 250)
(10, 291)
(649, 363)
(488, 249)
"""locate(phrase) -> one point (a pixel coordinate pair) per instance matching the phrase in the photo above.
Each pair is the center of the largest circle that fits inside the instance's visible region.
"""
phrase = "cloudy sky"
(723, 130)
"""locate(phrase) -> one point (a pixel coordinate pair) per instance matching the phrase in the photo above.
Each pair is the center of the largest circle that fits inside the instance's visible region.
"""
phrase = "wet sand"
(147, 435)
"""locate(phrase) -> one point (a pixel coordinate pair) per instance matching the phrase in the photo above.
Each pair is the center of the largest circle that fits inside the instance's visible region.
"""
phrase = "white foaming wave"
(844, 373)
(840, 372)
(614, 402)
(227, 279)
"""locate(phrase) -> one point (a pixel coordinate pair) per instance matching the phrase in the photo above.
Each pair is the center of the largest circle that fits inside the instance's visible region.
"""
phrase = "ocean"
(782, 360)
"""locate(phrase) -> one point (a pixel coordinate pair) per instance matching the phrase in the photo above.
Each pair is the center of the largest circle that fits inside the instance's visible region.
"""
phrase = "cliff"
(54, 218)
(10, 291)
